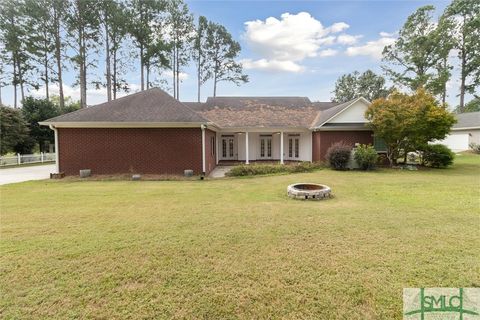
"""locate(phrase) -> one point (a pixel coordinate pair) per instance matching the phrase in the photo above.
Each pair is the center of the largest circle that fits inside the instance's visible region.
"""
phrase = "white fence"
(20, 159)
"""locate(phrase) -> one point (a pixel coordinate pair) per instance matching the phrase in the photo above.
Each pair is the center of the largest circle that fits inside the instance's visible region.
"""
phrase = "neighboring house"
(151, 132)
(464, 132)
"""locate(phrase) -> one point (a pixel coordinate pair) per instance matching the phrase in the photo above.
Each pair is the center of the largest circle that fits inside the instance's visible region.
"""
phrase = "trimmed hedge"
(366, 156)
(437, 156)
(338, 155)
(262, 169)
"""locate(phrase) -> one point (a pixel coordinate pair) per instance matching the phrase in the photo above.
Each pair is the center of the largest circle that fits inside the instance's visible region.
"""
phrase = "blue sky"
(296, 48)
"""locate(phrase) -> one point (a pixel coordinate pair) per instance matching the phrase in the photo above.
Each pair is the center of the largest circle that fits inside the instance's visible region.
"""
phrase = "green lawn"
(237, 248)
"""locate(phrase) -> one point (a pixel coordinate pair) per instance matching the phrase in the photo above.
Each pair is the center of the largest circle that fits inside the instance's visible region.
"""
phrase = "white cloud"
(338, 27)
(169, 75)
(283, 43)
(373, 48)
(328, 53)
(347, 39)
(387, 34)
(272, 65)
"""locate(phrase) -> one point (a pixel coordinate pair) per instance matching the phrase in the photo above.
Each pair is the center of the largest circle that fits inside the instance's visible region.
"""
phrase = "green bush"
(437, 156)
(338, 155)
(366, 156)
(262, 169)
(475, 147)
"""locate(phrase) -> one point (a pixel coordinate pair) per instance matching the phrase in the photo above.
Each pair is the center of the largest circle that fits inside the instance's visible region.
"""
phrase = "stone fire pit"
(309, 191)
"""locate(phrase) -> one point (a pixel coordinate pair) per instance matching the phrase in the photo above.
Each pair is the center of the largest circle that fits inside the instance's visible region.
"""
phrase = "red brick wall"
(322, 140)
(210, 157)
(125, 150)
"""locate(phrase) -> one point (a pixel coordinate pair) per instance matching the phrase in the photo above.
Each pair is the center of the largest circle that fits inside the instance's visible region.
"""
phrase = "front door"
(228, 147)
(265, 147)
(293, 148)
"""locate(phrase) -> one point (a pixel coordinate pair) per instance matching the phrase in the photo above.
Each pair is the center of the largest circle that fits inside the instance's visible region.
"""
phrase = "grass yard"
(237, 248)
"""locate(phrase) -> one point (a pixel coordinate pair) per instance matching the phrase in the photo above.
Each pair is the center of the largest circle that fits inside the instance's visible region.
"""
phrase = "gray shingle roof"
(245, 102)
(467, 120)
(260, 111)
(330, 112)
(152, 105)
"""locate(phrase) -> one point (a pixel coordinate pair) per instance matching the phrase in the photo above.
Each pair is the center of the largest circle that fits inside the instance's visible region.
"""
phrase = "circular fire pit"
(309, 191)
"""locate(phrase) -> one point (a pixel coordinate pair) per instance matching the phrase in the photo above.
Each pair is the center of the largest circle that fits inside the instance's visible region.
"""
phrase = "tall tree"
(353, 85)
(114, 21)
(222, 50)
(199, 54)
(144, 17)
(40, 40)
(414, 56)
(12, 35)
(471, 106)
(34, 111)
(57, 13)
(181, 33)
(3, 73)
(13, 129)
(464, 15)
(83, 29)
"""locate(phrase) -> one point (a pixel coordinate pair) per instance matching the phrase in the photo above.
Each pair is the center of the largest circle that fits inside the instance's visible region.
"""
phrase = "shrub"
(437, 156)
(338, 155)
(366, 156)
(475, 147)
(261, 169)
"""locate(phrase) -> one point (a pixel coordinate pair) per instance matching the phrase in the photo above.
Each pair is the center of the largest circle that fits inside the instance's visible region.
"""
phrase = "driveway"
(20, 174)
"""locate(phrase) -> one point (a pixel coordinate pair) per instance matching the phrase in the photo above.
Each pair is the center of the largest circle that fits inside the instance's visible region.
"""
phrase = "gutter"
(57, 152)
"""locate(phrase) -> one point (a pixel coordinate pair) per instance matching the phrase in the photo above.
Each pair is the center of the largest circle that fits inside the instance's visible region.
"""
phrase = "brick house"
(150, 132)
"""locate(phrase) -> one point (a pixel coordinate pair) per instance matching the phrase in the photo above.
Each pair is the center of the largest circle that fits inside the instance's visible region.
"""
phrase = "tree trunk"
(58, 57)
(174, 74)
(114, 76)
(178, 75)
(463, 75)
(107, 62)
(462, 81)
(15, 104)
(199, 78)
(20, 79)
(46, 76)
(142, 82)
(148, 75)
(215, 84)
(82, 62)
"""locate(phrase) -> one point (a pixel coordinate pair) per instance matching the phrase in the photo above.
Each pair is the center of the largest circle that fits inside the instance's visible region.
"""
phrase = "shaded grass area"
(238, 248)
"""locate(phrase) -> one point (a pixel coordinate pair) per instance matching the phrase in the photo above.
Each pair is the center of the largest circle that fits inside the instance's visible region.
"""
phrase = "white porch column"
(203, 148)
(246, 148)
(57, 152)
(281, 147)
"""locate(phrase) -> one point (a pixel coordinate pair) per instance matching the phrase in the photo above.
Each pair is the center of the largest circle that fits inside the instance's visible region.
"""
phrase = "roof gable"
(152, 105)
(334, 114)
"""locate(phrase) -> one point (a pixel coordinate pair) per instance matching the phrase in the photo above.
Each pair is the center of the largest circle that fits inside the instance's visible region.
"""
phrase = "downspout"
(203, 148)
(57, 153)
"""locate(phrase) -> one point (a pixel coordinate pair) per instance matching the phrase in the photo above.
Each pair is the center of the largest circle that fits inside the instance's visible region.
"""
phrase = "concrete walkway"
(20, 174)
(219, 171)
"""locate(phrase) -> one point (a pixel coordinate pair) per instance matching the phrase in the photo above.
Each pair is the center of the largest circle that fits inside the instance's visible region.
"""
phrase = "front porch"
(237, 147)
